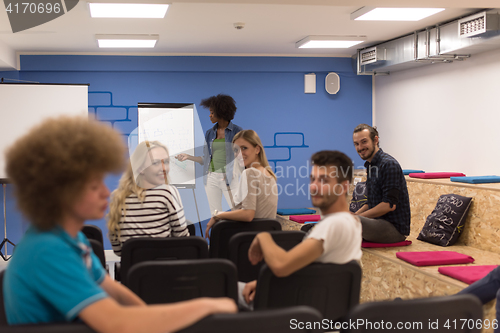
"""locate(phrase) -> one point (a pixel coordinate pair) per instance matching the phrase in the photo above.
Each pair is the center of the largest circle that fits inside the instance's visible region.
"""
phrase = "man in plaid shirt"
(386, 215)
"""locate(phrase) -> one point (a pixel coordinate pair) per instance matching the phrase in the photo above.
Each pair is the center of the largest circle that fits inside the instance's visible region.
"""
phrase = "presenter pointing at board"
(218, 153)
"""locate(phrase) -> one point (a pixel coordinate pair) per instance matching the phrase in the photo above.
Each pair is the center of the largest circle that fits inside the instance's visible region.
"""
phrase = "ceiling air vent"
(477, 24)
(369, 56)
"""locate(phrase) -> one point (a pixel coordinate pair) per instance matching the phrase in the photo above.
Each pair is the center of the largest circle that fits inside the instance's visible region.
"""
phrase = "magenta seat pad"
(304, 218)
(435, 258)
(370, 244)
(467, 274)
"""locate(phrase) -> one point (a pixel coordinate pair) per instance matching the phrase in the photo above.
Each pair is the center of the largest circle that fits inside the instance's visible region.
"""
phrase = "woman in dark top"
(218, 153)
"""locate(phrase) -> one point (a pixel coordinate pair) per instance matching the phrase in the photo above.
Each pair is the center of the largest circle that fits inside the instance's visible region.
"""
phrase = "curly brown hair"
(223, 106)
(50, 165)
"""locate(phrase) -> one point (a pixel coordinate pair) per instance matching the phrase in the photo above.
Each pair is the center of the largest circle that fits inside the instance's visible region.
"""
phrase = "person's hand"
(255, 252)
(249, 291)
(210, 224)
(223, 305)
(182, 157)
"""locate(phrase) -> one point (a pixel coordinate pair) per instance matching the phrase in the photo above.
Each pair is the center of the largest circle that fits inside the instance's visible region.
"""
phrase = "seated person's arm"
(245, 215)
(363, 208)
(283, 263)
(377, 211)
(106, 315)
(389, 201)
(120, 293)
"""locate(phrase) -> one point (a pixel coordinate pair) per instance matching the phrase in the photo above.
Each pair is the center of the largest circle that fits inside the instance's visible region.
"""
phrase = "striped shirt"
(161, 214)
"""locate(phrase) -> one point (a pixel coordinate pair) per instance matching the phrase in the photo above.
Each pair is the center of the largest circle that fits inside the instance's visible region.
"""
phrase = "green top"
(218, 162)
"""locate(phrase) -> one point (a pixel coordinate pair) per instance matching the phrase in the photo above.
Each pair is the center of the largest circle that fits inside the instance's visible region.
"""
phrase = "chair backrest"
(3, 318)
(141, 249)
(330, 288)
(92, 232)
(240, 243)
(287, 320)
(308, 226)
(99, 251)
(459, 312)
(173, 281)
(222, 232)
(192, 229)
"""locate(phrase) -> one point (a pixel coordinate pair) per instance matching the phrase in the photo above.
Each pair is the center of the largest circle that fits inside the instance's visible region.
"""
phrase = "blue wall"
(270, 97)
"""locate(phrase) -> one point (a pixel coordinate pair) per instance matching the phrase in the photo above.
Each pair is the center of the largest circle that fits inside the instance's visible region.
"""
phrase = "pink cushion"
(431, 175)
(467, 274)
(433, 258)
(370, 244)
(304, 218)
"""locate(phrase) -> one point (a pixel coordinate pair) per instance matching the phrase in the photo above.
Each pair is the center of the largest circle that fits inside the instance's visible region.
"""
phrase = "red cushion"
(433, 258)
(370, 244)
(467, 274)
(304, 218)
(431, 175)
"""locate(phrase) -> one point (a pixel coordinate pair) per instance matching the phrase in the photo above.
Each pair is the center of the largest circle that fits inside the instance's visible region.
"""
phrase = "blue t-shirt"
(51, 277)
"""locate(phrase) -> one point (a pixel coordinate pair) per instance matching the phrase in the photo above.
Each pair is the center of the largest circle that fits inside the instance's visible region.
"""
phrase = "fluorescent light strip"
(127, 10)
(126, 43)
(329, 44)
(397, 14)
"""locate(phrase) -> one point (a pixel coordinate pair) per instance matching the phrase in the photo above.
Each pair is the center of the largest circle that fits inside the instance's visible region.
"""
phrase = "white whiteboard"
(23, 106)
(172, 125)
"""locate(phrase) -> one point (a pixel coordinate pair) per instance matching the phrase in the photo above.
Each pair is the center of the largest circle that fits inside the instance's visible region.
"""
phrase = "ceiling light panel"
(393, 14)
(127, 10)
(127, 41)
(329, 42)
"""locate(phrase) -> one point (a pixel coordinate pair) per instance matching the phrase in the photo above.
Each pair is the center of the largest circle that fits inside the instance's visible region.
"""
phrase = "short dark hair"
(50, 165)
(373, 131)
(337, 159)
(223, 106)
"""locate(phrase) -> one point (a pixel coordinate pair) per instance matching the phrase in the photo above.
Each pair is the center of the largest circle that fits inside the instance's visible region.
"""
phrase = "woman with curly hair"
(257, 194)
(144, 204)
(58, 172)
(218, 153)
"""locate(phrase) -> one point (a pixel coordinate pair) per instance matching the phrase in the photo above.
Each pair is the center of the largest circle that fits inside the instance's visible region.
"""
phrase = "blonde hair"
(130, 184)
(50, 165)
(252, 138)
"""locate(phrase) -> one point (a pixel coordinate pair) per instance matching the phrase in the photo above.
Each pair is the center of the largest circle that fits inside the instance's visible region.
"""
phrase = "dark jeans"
(380, 231)
(486, 290)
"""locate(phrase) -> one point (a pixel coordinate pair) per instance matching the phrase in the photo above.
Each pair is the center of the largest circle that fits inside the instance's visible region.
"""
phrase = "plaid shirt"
(383, 175)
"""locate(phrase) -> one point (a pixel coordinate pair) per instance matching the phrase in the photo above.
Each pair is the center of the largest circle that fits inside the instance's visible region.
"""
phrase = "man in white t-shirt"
(335, 239)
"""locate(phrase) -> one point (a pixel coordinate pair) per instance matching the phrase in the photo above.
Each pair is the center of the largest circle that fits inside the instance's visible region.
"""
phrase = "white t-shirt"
(341, 235)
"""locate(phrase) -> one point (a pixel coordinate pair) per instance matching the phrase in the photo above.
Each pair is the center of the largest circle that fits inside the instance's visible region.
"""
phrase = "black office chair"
(173, 281)
(192, 229)
(332, 289)
(99, 251)
(223, 230)
(240, 243)
(93, 232)
(141, 249)
(267, 321)
(3, 318)
(460, 312)
(308, 226)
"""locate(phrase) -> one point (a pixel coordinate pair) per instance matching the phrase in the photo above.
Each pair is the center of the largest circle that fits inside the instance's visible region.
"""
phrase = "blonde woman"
(257, 194)
(144, 205)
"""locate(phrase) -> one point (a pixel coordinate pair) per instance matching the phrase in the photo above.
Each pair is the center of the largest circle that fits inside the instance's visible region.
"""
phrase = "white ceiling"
(205, 27)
